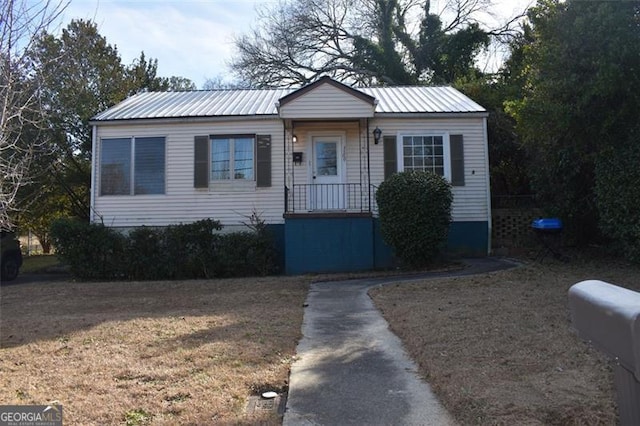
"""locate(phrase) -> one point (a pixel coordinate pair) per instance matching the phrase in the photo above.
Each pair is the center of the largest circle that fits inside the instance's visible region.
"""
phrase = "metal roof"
(205, 103)
(259, 102)
(421, 99)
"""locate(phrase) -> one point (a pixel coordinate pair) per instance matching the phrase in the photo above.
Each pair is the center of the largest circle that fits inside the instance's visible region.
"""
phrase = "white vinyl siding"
(470, 201)
(182, 203)
(326, 101)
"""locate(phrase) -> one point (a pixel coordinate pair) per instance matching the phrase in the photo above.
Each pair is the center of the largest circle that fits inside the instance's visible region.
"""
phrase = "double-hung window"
(238, 162)
(132, 166)
(424, 152)
(442, 154)
(232, 158)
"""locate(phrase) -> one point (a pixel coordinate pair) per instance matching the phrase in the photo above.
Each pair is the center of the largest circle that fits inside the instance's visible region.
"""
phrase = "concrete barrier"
(608, 316)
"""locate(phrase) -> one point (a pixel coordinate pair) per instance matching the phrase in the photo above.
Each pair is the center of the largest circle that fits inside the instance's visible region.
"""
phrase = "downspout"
(488, 183)
(284, 154)
(373, 222)
(368, 168)
(293, 168)
(360, 164)
(92, 191)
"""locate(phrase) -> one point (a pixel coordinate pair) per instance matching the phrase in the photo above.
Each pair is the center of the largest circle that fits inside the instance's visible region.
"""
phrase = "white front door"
(327, 173)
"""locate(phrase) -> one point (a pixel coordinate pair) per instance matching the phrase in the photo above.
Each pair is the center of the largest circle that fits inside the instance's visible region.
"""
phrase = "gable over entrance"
(326, 99)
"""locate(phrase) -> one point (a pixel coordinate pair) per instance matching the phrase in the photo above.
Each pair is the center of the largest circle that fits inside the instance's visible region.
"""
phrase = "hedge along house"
(308, 161)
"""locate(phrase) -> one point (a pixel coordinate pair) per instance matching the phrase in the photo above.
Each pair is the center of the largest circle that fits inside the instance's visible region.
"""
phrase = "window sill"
(129, 195)
(232, 186)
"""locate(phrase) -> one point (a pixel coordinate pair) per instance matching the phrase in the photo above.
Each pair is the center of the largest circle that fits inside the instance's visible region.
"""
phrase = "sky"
(189, 38)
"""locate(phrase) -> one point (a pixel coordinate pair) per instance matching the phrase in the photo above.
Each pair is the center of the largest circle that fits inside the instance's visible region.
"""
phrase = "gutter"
(237, 118)
(488, 183)
(475, 114)
(92, 188)
(173, 120)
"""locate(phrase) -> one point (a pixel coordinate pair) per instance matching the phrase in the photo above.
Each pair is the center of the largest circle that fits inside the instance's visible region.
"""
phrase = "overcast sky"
(192, 38)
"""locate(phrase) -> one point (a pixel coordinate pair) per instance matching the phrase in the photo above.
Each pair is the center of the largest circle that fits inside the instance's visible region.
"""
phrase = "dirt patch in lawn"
(498, 348)
(189, 352)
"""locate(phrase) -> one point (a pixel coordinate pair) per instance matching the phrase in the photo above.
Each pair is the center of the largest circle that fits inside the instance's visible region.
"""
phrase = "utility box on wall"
(297, 158)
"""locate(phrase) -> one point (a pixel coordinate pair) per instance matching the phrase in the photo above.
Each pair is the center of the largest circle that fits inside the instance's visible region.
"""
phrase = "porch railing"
(331, 197)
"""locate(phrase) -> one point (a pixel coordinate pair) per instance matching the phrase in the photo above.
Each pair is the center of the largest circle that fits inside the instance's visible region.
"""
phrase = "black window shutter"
(390, 156)
(201, 162)
(263, 161)
(456, 148)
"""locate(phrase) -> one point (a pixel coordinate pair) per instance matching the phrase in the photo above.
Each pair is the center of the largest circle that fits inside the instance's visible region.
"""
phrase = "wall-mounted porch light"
(376, 135)
(294, 138)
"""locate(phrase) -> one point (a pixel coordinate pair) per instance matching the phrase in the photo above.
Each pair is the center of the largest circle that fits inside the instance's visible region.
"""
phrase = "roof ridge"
(246, 89)
(403, 86)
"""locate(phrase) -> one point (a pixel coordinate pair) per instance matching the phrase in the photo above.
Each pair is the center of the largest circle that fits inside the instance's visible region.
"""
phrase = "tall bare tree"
(363, 42)
(21, 22)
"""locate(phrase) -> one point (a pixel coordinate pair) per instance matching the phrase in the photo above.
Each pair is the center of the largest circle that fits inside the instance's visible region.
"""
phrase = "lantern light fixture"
(377, 133)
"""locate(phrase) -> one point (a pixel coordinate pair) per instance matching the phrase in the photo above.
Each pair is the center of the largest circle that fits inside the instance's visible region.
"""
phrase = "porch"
(327, 167)
(331, 222)
(331, 198)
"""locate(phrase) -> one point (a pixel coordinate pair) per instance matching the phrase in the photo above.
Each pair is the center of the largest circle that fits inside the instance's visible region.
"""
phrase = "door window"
(326, 158)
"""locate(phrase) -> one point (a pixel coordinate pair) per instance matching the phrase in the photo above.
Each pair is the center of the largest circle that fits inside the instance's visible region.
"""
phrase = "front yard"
(498, 348)
(170, 353)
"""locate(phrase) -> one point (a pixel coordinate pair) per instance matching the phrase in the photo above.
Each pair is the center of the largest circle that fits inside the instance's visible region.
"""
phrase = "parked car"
(11, 259)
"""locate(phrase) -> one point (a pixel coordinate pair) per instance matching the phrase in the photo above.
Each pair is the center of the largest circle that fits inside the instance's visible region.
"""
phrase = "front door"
(327, 171)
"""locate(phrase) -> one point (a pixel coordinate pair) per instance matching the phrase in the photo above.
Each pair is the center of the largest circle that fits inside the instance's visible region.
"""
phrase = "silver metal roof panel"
(220, 103)
(416, 99)
(211, 103)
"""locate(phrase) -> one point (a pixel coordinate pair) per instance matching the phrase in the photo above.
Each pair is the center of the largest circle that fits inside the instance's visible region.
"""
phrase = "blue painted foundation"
(468, 239)
(328, 244)
(384, 254)
(349, 243)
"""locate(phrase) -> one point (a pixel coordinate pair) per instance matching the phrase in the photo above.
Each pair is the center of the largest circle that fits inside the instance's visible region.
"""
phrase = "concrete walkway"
(352, 369)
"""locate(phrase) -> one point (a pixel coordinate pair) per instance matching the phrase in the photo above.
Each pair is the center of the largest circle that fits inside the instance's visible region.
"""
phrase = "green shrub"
(191, 249)
(264, 258)
(234, 254)
(415, 212)
(185, 251)
(618, 197)
(243, 254)
(92, 251)
(147, 257)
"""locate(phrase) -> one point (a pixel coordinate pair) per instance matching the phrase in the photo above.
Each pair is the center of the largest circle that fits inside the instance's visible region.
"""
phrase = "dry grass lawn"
(498, 348)
(188, 352)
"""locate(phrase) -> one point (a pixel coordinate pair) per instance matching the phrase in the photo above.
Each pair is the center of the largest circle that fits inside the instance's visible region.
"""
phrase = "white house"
(307, 160)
